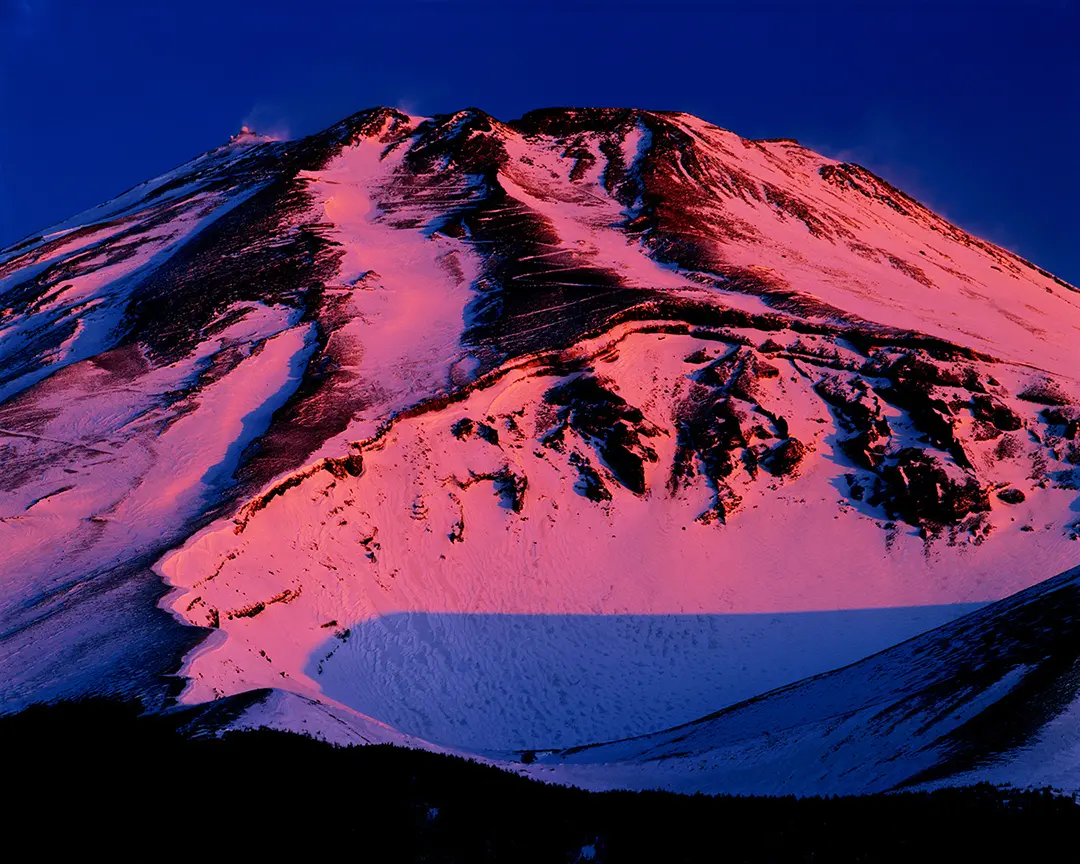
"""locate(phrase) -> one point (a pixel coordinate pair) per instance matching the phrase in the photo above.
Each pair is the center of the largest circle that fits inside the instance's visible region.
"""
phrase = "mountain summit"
(516, 437)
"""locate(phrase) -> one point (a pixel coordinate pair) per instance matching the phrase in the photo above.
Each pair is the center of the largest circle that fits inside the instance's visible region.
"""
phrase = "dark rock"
(511, 487)
(860, 413)
(457, 533)
(991, 410)
(855, 486)
(1012, 496)
(488, 433)
(615, 427)
(1009, 447)
(1068, 419)
(912, 380)
(786, 457)
(1044, 392)
(590, 483)
(923, 492)
(346, 466)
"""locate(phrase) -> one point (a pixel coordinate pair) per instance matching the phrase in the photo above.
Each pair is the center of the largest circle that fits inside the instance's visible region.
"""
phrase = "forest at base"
(98, 774)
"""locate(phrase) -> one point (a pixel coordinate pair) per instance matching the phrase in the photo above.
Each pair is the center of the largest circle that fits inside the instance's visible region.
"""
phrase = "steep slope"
(519, 435)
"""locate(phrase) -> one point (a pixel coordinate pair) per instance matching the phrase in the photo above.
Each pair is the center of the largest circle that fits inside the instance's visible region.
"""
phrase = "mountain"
(518, 437)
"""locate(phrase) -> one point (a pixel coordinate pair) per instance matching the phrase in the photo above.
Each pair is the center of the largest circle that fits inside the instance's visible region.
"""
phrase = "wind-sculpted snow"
(517, 435)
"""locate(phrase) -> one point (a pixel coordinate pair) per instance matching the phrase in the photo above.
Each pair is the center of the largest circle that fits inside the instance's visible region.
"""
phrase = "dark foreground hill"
(97, 776)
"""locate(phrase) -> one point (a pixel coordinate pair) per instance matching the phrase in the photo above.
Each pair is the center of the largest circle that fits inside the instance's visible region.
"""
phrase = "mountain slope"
(967, 701)
(519, 435)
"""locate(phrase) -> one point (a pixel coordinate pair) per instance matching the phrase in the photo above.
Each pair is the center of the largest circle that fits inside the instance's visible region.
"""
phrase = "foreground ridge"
(419, 806)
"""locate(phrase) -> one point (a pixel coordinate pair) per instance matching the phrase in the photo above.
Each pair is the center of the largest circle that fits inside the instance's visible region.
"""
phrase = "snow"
(980, 296)
(289, 712)
(633, 612)
(89, 307)
(404, 289)
(585, 217)
(490, 682)
(873, 726)
(1051, 759)
(115, 472)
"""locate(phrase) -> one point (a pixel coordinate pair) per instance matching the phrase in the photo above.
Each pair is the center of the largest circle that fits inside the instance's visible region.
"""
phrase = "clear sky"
(973, 106)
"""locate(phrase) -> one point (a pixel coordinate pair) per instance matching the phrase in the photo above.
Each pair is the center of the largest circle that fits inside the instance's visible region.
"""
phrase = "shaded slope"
(967, 694)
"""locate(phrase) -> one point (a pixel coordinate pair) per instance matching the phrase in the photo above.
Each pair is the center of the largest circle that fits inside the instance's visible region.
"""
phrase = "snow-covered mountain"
(524, 436)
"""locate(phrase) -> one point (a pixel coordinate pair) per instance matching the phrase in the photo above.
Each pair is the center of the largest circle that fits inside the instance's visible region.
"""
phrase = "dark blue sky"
(973, 107)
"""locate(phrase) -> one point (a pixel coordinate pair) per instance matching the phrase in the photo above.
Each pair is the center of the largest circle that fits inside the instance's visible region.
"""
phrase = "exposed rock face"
(993, 411)
(923, 490)
(786, 457)
(860, 413)
(1012, 496)
(600, 415)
